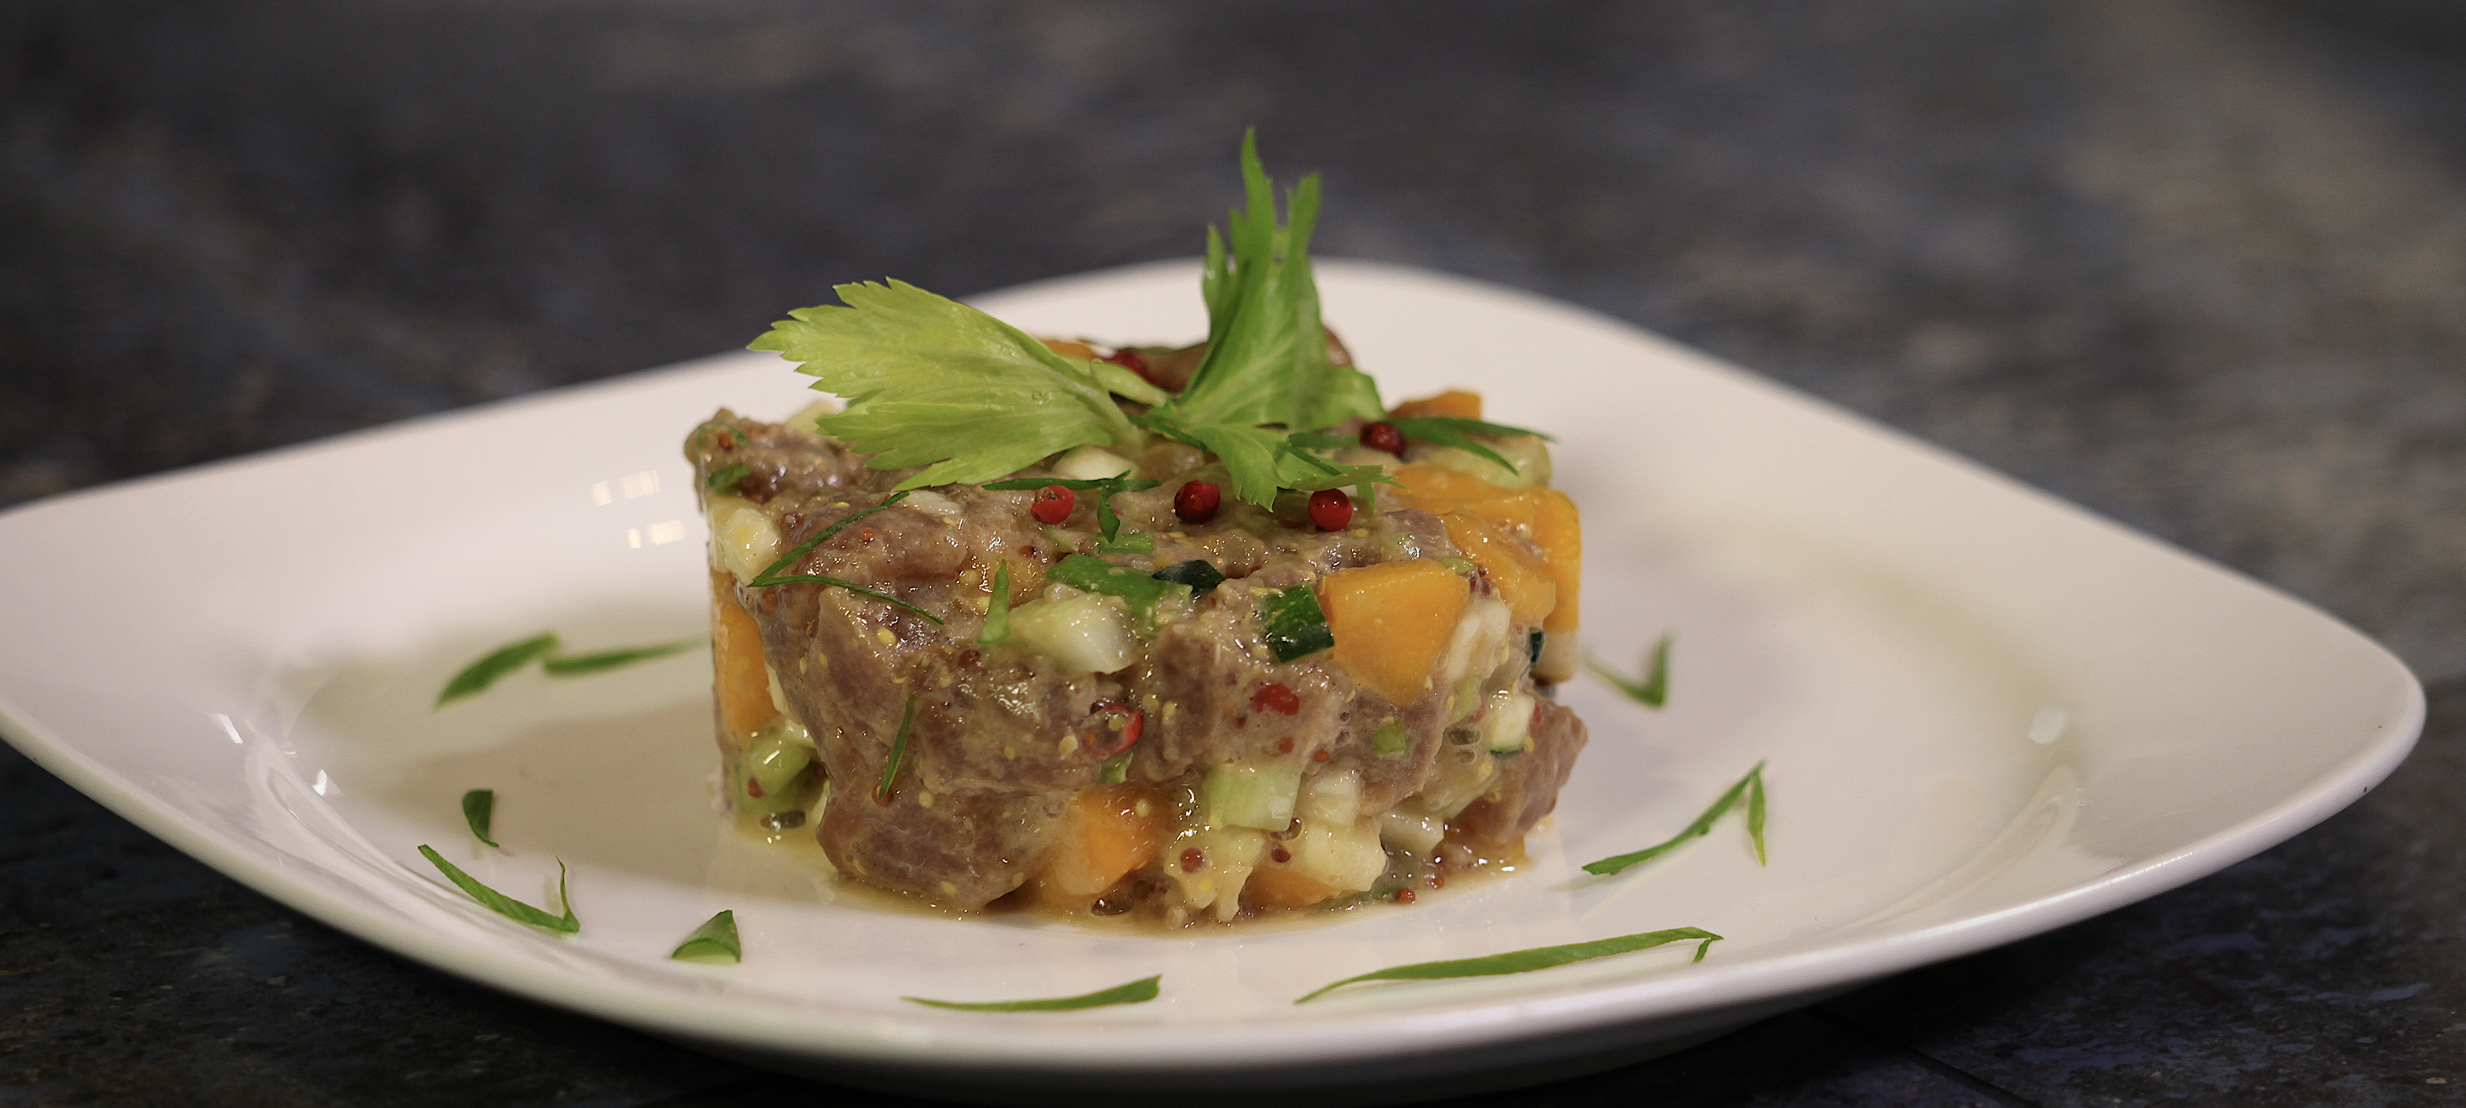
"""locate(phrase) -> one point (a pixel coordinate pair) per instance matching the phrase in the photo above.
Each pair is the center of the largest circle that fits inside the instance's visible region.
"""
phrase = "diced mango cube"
(1391, 621)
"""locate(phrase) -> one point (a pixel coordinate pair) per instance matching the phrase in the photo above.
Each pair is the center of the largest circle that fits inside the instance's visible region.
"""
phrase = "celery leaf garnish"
(1526, 961)
(932, 382)
(507, 906)
(713, 943)
(1136, 992)
(1751, 787)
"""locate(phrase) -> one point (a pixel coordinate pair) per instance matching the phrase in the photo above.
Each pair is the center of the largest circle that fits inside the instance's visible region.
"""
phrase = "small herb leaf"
(713, 943)
(726, 477)
(477, 676)
(997, 614)
(777, 573)
(1654, 690)
(898, 753)
(1751, 786)
(576, 665)
(507, 906)
(1136, 992)
(477, 807)
(1525, 961)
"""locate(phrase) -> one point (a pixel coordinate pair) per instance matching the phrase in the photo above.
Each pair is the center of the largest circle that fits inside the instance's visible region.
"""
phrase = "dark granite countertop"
(2199, 265)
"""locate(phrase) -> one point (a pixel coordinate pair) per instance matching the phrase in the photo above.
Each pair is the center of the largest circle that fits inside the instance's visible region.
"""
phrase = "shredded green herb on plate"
(713, 943)
(507, 906)
(1750, 787)
(1526, 961)
(478, 806)
(1136, 992)
(1654, 690)
(543, 648)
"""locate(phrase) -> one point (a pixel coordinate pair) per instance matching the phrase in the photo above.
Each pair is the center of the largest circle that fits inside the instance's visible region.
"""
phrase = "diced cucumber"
(1250, 794)
(1390, 739)
(1087, 633)
(1295, 624)
(1507, 725)
(1201, 575)
(778, 773)
(1344, 856)
(1407, 827)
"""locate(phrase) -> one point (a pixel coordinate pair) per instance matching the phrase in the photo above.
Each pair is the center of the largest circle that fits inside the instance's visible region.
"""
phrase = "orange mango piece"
(1273, 886)
(1105, 832)
(1391, 621)
(1523, 579)
(738, 679)
(1561, 538)
(1454, 404)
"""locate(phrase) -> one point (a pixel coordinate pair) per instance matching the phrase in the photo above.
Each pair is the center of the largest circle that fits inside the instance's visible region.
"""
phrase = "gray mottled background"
(2197, 264)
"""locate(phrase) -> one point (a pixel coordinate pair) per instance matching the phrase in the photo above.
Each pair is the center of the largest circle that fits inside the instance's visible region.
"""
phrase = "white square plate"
(1986, 714)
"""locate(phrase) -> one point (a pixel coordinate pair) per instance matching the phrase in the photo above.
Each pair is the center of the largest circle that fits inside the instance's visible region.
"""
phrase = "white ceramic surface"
(1987, 714)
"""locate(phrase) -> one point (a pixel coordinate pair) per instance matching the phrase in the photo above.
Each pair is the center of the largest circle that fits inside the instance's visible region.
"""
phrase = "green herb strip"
(1320, 440)
(713, 943)
(578, 665)
(1526, 961)
(1200, 574)
(1449, 431)
(1143, 591)
(477, 676)
(777, 575)
(1108, 525)
(898, 753)
(1136, 992)
(726, 477)
(997, 615)
(1751, 786)
(507, 906)
(1654, 690)
(477, 806)
(1295, 625)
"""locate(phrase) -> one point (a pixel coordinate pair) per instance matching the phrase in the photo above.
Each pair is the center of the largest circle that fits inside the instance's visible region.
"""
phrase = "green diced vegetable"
(1141, 590)
(713, 943)
(1250, 794)
(1295, 625)
(1135, 542)
(1201, 575)
(1389, 739)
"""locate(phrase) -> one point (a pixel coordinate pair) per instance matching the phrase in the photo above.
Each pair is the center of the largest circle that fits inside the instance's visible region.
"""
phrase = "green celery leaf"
(930, 381)
(478, 807)
(477, 676)
(714, 942)
(507, 906)
(575, 665)
(1266, 360)
(1754, 780)
(1526, 961)
(1136, 992)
